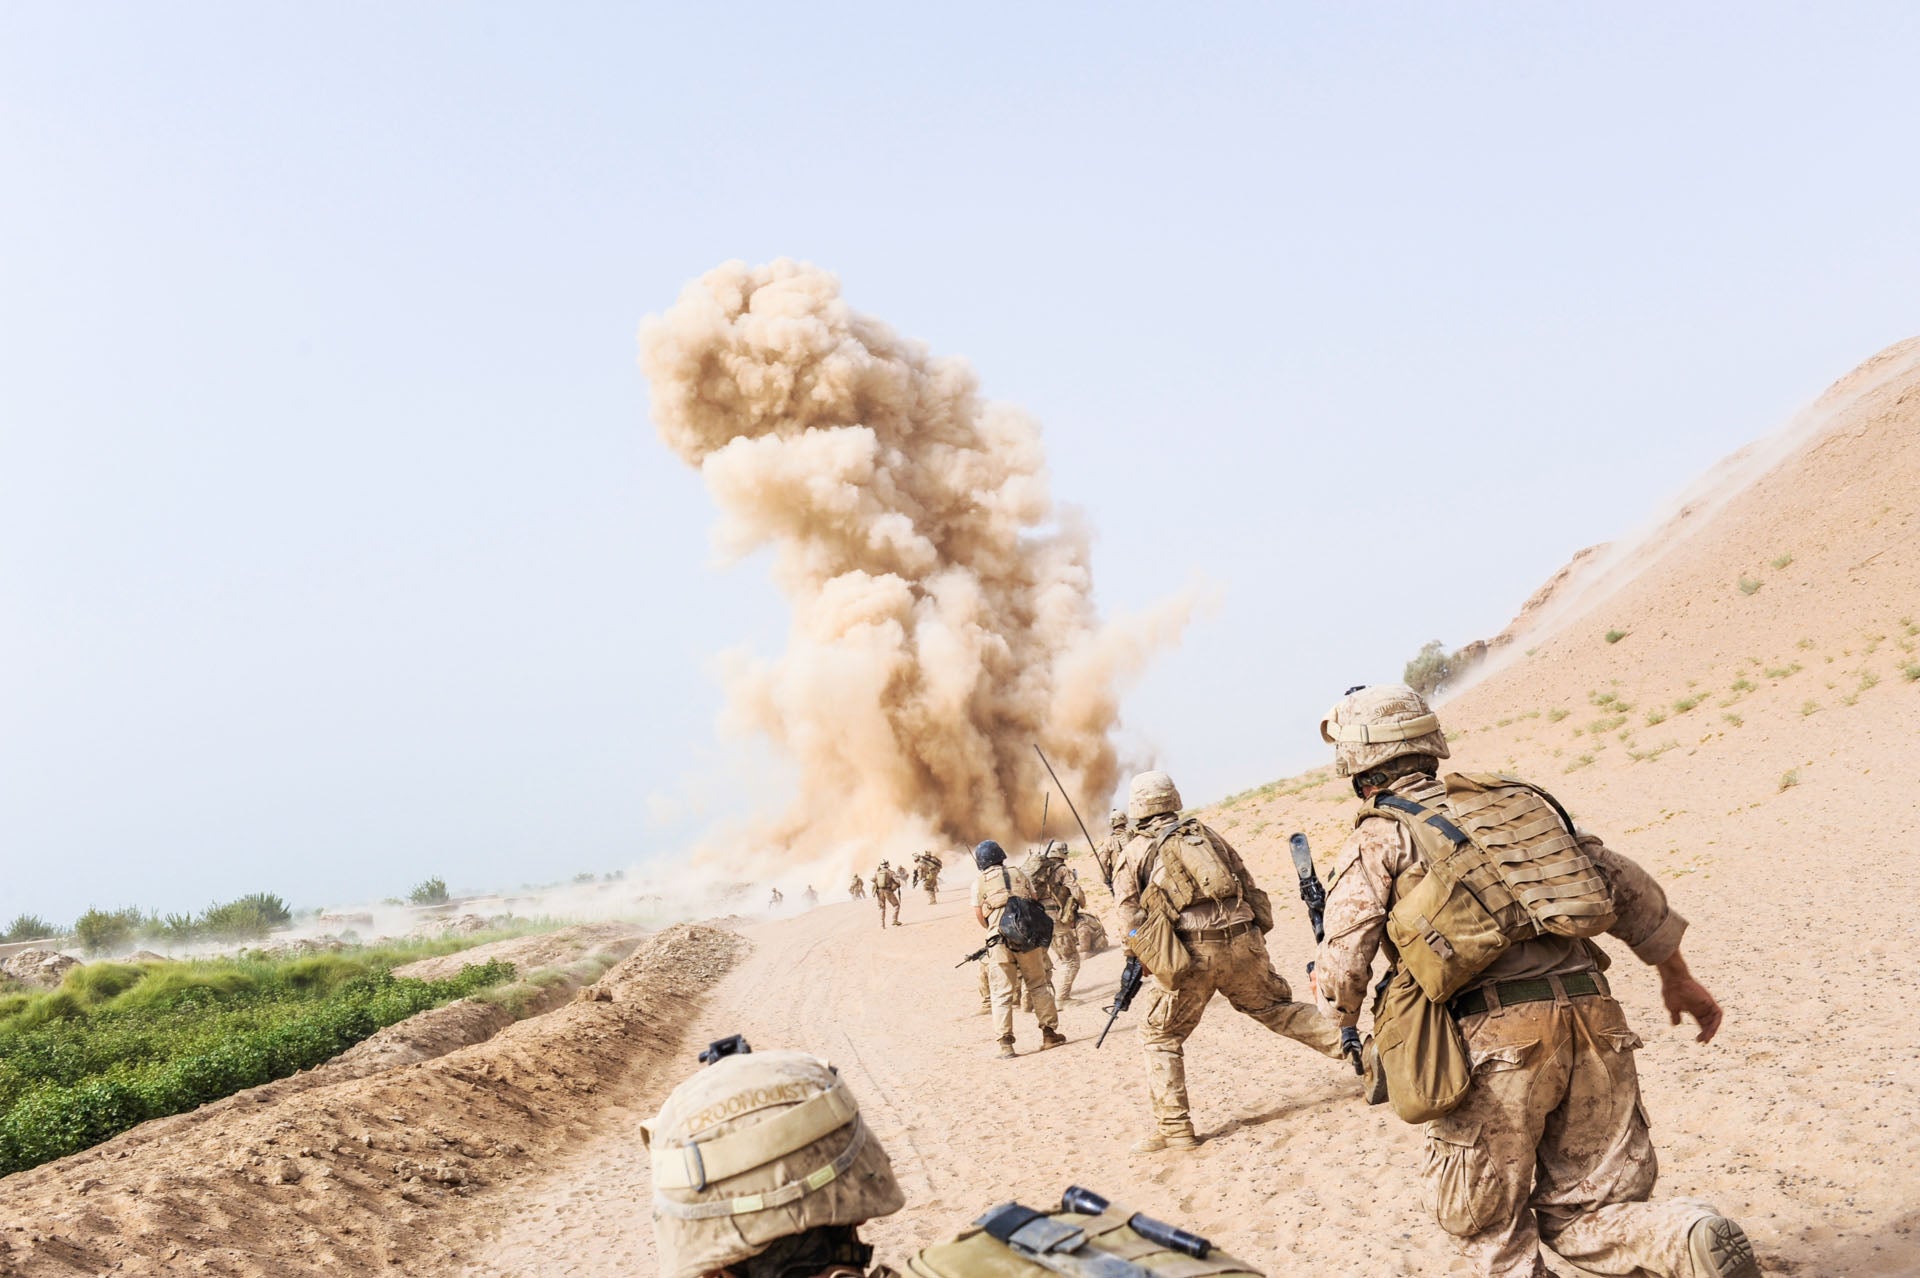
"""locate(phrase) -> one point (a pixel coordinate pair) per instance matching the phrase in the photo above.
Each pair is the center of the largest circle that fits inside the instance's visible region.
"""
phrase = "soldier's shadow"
(1322, 1100)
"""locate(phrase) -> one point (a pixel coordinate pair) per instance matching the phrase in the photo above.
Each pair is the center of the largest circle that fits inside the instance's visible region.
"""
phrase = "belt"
(1216, 933)
(1539, 990)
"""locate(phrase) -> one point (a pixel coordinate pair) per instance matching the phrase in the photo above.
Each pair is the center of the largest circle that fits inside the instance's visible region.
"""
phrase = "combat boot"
(1051, 1038)
(1158, 1140)
(1006, 1051)
(1719, 1249)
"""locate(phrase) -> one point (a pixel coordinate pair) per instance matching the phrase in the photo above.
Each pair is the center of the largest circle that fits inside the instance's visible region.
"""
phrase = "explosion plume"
(942, 607)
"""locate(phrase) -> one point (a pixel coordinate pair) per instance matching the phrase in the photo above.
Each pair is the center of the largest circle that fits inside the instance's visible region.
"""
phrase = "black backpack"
(1024, 923)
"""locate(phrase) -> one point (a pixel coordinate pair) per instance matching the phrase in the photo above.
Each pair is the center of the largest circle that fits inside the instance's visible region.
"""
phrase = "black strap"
(1454, 834)
(1004, 1221)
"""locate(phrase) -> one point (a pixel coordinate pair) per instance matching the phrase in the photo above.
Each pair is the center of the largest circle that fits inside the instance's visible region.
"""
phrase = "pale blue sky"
(336, 548)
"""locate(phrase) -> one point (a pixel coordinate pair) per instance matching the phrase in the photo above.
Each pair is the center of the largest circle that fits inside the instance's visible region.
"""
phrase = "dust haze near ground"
(1748, 739)
(943, 618)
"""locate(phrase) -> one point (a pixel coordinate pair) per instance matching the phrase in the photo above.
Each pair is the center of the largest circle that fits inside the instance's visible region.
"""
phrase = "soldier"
(1108, 853)
(926, 873)
(1090, 932)
(856, 889)
(1180, 874)
(886, 891)
(998, 882)
(773, 902)
(1060, 893)
(1548, 1148)
(762, 1165)
(811, 897)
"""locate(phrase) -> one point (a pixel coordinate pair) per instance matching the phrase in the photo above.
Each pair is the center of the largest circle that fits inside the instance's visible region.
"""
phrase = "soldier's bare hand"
(1684, 995)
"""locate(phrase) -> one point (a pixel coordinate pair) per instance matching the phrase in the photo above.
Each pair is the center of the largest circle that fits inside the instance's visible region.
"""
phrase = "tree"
(431, 891)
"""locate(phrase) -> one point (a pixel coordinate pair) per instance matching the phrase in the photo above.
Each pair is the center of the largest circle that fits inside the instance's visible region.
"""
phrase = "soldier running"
(926, 874)
(1182, 882)
(886, 891)
(1548, 1150)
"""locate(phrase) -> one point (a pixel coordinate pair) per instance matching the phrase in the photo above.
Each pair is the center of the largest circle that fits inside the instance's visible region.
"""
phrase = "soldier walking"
(886, 891)
(1062, 897)
(856, 889)
(1181, 881)
(1548, 1147)
(926, 874)
(997, 883)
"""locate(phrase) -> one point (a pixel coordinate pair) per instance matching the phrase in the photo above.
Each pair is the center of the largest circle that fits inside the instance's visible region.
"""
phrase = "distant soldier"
(1107, 855)
(886, 891)
(926, 874)
(812, 898)
(1547, 1151)
(1179, 882)
(856, 889)
(999, 882)
(1059, 891)
(774, 901)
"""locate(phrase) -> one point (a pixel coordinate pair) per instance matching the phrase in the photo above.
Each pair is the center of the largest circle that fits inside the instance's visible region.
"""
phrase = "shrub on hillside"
(104, 931)
(28, 927)
(431, 891)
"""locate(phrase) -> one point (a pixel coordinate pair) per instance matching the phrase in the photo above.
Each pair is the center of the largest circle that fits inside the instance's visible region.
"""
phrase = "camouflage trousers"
(1066, 953)
(1240, 969)
(1022, 997)
(933, 890)
(885, 897)
(1550, 1148)
(1004, 967)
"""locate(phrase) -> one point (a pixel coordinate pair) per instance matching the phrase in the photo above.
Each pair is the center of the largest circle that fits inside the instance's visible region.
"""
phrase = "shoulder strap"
(1454, 834)
(1181, 824)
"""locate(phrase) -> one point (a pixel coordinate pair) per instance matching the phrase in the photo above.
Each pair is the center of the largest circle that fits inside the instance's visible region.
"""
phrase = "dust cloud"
(943, 617)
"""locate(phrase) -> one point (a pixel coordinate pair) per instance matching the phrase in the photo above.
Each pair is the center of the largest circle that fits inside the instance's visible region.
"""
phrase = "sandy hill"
(1746, 734)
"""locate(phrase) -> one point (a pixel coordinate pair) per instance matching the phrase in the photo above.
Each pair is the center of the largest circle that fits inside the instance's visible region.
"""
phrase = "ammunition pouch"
(1155, 942)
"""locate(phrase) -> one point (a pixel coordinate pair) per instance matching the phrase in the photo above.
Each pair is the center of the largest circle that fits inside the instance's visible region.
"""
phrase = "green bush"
(431, 891)
(118, 1043)
(28, 927)
(104, 931)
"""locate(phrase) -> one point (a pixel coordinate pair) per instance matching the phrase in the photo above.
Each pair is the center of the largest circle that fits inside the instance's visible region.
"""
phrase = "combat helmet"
(1117, 820)
(1055, 850)
(760, 1153)
(1372, 725)
(987, 854)
(1152, 794)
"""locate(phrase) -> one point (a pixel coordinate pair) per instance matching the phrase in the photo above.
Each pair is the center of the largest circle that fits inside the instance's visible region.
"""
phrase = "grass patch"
(1809, 707)
(1748, 585)
(1615, 636)
(1600, 727)
(119, 1043)
(1656, 715)
(1558, 713)
(1781, 561)
(1578, 763)
(1685, 704)
(1789, 779)
(1648, 756)
(1742, 684)
(1784, 672)
(1734, 719)
(1911, 671)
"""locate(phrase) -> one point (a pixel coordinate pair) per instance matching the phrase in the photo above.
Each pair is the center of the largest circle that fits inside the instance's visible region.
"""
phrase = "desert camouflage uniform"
(1007, 969)
(1229, 957)
(886, 891)
(1550, 1146)
(1062, 897)
(926, 872)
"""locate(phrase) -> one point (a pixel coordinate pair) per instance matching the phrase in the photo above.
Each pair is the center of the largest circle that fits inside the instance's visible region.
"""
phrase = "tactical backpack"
(1087, 1236)
(1191, 869)
(1502, 865)
(1024, 924)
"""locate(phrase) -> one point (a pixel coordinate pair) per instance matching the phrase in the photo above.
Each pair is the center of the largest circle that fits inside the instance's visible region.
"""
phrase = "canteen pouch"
(1159, 948)
(1422, 1052)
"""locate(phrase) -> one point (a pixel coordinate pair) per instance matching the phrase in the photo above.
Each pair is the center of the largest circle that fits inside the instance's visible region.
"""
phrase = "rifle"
(1105, 870)
(1131, 978)
(1314, 893)
(993, 939)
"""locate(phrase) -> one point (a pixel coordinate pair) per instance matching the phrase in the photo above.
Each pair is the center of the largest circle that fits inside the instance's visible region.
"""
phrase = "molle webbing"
(1531, 840)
